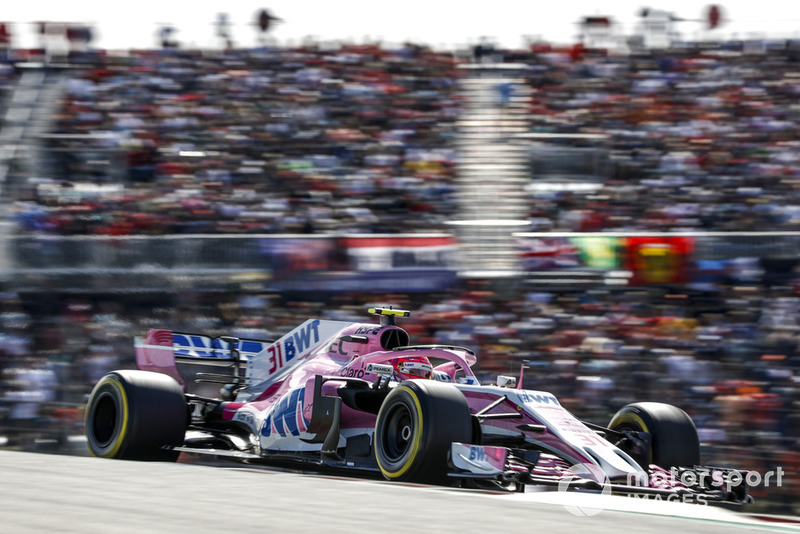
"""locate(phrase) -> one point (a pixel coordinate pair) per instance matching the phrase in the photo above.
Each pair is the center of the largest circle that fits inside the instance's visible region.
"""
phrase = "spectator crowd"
(281, 140)
(351, 138)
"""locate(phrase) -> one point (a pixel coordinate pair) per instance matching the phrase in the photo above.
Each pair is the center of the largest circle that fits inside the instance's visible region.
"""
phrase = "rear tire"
(134, 415)
(675, 441)
(416, 424)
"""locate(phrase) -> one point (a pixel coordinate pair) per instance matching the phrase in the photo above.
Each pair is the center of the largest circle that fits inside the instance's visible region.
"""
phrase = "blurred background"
(614, 209)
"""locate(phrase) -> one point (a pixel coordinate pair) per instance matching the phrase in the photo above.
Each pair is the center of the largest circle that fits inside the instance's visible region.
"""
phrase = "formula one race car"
(358, 397)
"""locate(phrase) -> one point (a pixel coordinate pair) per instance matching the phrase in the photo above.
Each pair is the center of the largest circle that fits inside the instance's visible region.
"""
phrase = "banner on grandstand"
(573, 252)
(658, 260)
(385, 253)
(649, 259)
(363, 262)
(287, 257)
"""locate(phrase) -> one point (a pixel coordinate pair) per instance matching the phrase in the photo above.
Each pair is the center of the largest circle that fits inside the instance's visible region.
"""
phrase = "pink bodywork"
(275, 388)
(347, 359)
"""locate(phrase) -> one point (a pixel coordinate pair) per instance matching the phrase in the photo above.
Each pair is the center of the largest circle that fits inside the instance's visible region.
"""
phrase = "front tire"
(674, 437)
(134, 415)
(416, 424)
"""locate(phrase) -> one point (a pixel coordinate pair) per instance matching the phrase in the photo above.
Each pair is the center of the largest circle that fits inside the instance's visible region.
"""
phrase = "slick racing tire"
(136, 415)
(674, 437)
(415, 426)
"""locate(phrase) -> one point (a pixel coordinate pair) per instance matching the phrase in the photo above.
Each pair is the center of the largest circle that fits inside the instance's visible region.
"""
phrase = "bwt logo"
(301, 340)
(477, 454)
(295, 342)
(537, 398)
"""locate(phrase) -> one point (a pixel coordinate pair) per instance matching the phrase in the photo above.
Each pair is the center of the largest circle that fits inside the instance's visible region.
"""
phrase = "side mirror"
(506, 381)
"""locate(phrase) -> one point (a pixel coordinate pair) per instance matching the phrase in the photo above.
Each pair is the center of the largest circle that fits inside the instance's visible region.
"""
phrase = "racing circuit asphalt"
(53, 493)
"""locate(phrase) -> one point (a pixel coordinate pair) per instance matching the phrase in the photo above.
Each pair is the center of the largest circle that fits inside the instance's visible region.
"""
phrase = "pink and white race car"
(359, 397)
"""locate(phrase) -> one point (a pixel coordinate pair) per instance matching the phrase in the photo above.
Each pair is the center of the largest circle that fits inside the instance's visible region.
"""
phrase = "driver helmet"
(411, 367)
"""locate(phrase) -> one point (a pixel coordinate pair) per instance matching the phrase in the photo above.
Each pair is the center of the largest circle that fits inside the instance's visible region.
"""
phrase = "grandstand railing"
(135, 259)
(147, 261)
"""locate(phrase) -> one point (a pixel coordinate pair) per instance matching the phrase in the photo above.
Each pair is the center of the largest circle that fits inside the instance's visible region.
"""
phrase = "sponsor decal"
(479, 459)
(352, 373)
(291, 345)
(368, 330)
(379, 369)
(197, 346)
(537, 398)
(286, 418)
(292, 348)
(477, 454)
(441, 376)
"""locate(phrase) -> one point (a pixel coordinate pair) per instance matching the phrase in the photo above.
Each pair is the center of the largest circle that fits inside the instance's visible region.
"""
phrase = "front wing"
(526, 467)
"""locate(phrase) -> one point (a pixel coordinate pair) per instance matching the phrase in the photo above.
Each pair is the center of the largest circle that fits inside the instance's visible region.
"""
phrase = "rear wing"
(160, 350)
(261, 360)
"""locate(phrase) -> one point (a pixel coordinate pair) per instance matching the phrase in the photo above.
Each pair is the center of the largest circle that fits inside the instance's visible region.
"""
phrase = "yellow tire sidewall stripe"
(117, 443)
(629, 417)
(415, 445)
